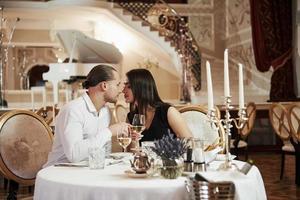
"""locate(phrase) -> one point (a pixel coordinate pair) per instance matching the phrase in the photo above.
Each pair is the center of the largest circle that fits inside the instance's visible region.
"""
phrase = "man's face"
(113, 89)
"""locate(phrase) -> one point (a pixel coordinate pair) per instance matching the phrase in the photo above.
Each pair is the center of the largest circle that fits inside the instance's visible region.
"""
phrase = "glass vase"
(172, 169)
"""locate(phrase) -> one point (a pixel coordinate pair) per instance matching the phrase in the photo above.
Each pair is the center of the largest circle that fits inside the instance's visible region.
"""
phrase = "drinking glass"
(199, 151)
(108, 146)
(138, 126)
(146, 147)
(199, 158)
(124, 138)
(96, 157)
(138, 123)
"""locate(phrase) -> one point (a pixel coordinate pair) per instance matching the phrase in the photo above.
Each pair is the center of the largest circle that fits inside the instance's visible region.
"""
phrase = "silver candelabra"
(226, 122)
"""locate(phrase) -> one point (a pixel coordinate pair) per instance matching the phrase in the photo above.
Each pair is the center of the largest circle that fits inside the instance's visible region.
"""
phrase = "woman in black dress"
(141, 92)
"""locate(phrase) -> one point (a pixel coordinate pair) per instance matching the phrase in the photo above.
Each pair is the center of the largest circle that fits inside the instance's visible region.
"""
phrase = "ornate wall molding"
(202, 27)
(225, 24)
(22, 60)
(202, 3)
(237, 16)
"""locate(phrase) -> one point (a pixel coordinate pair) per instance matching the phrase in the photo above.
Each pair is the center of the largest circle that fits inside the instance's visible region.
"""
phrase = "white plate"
(132, 174)
(222, 157)
(120, 155)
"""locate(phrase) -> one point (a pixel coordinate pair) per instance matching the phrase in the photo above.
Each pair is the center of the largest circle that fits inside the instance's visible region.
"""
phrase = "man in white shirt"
(85, 120)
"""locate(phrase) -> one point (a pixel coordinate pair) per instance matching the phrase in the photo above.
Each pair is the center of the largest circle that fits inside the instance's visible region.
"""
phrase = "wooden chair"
(279, 120)
(294, 122)
(202, 190)
(240, 142)
(25, 141)
(120, 113)
(47, 113)
(198, 122)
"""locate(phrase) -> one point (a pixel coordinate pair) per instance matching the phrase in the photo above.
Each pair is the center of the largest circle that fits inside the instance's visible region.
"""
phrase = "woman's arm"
(178, 124)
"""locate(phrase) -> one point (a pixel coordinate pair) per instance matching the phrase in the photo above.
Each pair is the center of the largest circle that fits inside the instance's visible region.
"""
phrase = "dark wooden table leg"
(297, 157)
(12, 190)
(297, 161)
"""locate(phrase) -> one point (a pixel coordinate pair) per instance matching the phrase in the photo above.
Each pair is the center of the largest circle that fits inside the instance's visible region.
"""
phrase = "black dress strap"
(159, 125)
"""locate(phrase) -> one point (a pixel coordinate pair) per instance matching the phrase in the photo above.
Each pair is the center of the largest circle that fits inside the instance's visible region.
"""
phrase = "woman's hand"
(135, 135)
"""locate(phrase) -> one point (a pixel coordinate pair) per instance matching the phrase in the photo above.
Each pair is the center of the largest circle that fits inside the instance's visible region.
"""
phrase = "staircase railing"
(163, 18)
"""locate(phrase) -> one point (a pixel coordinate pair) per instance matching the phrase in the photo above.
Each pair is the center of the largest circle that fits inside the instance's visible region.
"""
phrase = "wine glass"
(124, 138)
(138, 126)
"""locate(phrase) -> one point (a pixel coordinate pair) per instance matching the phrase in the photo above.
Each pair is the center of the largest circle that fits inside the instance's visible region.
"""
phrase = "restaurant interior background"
(216, 25)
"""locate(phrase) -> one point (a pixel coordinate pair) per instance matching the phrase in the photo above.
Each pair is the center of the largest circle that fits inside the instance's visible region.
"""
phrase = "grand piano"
(87, 51)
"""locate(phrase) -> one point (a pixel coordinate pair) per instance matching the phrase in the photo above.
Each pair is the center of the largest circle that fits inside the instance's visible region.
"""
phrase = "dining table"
(117, 182)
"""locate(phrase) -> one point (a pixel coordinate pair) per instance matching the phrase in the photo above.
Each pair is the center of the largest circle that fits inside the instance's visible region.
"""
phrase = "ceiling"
(36, 25)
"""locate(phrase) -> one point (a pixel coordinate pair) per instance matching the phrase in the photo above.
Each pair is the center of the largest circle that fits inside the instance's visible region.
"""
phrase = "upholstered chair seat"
(241, 144)
(120, 113)
(25, 141)
(201, 127)
(287, 146)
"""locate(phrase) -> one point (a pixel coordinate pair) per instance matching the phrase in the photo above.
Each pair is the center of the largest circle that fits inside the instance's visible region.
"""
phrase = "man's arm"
(74, 143)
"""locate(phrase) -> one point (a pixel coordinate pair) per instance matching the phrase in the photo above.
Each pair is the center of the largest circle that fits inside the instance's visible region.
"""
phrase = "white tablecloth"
(111, 183)
(247, 187)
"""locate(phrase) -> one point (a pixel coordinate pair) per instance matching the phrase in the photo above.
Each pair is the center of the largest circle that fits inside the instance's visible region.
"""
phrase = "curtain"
(272, 32)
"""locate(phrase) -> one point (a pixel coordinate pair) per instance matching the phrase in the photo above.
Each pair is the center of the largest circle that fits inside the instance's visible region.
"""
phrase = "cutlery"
(114, 162)
(70, 165)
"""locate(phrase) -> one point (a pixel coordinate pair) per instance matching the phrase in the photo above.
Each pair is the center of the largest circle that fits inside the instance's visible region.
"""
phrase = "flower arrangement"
(170, 149)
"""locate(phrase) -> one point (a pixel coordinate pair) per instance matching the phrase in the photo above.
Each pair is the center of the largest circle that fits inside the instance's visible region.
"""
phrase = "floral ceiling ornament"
(148, 64)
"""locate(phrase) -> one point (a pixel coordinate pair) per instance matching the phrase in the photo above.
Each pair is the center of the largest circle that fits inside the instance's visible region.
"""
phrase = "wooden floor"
(269, 166)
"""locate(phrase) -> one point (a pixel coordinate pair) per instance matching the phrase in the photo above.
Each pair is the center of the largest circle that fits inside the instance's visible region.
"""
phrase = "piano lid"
(86, 49)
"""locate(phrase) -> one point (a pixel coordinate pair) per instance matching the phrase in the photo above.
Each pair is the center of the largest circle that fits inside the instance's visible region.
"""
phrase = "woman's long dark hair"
(144, 90)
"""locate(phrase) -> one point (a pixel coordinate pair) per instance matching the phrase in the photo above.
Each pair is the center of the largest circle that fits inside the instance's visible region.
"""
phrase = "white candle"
(241, 87)
(226, 75)
(210, 96)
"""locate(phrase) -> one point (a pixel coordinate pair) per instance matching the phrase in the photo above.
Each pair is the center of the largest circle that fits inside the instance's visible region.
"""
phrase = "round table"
(112, 183)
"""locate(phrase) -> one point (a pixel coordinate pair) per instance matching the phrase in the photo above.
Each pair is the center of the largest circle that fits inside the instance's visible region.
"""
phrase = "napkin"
(222, 157)
(211, 155)
(243, 184)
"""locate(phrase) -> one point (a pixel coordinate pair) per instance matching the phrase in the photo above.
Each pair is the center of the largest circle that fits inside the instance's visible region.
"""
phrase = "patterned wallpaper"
(238, 16)
(243, 53)
(22, 60)
(217, 25)
(205, 31)
(239, 43)
(202, 3)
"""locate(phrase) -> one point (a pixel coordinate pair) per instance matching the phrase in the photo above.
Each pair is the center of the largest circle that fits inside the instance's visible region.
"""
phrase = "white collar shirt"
(78, 126)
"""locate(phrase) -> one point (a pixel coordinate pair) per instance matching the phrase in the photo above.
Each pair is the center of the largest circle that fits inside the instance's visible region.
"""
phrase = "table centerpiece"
(170, 149)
